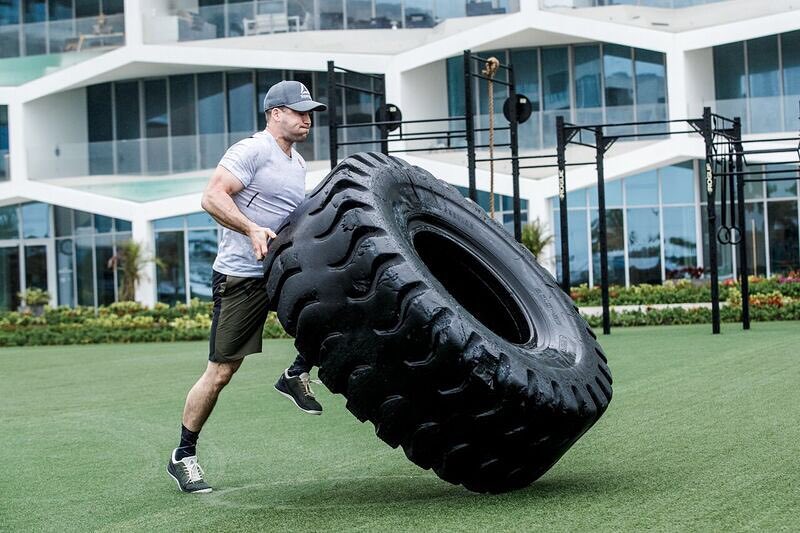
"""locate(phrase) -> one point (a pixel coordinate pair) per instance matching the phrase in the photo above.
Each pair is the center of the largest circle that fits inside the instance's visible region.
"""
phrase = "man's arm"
(218, 202)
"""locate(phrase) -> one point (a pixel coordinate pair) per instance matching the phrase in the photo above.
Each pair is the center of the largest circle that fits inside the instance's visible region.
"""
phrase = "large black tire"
(436, 325)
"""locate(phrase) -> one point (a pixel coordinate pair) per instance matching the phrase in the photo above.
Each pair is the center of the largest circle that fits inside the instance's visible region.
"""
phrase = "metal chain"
(492, 64)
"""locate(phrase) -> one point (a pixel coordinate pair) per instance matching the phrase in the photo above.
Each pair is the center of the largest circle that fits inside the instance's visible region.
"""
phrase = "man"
(258, 182)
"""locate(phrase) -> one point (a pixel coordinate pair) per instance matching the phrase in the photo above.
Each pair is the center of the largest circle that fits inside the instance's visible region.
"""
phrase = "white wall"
(56, 135)
(700, 76)
(423, 95)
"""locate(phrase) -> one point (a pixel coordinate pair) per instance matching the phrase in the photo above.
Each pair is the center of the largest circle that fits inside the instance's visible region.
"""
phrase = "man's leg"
(294, 383)
(200, 401)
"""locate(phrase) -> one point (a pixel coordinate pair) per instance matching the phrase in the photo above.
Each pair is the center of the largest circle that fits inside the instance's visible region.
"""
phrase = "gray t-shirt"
(274, 185)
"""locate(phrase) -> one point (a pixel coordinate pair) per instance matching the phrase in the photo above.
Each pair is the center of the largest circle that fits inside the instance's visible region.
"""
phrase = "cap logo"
(304, 94)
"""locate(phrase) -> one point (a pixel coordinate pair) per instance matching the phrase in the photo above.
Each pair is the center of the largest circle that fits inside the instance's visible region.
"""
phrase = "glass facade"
(4, 160)
(186, 122)
(654, 235)
(585, 83)
(211, 19)
(59, 250)
(186, 247)
(33, 27)
(759, 81)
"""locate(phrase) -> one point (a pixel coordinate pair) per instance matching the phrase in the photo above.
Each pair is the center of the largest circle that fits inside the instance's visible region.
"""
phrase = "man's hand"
(259, 237)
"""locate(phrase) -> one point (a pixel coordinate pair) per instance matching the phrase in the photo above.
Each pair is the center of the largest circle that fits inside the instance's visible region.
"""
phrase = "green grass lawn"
(703, 433)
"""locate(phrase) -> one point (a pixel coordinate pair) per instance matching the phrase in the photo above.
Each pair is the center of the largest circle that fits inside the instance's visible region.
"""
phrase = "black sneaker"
(299, 391)
(187, 474)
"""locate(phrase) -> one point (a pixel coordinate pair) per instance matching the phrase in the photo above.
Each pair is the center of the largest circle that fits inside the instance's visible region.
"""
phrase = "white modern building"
(113, 114)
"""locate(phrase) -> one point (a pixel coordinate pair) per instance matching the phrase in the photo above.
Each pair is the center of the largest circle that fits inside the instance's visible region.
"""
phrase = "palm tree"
(535, 237)
(130, 260)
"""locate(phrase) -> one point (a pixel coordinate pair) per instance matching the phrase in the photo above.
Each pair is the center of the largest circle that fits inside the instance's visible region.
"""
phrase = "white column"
(18, 159)
(142, 233)
(135, 11)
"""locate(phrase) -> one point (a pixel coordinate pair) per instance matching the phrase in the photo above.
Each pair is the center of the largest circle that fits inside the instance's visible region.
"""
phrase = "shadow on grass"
(402, 490)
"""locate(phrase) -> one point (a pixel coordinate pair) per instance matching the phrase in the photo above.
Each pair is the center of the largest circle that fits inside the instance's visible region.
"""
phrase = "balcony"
(57, 36)
(188, 22)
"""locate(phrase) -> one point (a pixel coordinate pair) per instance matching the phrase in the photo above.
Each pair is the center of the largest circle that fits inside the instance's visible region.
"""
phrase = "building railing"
(769, 114)
(57, 36)
(186, 21)
(667, 4)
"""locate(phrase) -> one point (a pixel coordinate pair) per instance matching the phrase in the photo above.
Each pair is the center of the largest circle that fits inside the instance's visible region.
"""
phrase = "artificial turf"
(702, 434)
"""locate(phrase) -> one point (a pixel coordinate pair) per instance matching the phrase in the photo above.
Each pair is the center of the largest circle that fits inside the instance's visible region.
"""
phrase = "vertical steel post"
(600, 153)
(743, 262)
(561, 147)
(708, 137)
(514, 141)
(469, 124)
(383, 117)
(333, 139)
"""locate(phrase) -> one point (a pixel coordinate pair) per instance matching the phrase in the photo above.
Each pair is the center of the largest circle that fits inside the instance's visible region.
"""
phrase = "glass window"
(587, 76)
(101, 133)
(128, 132)
(729, 78)
(36, 267)
(9, 222)
(782, 189)
(9, 274)
(63, 220)
(754, 239)
(83, 223)
(784, 255)
(156, 125)
(764, 84)
(264, 80)
(9, 12)
(555, 78)
(238, 10)
(389, 13)
(613, 190)
(615, 239)
(526, 73)
(331, 15)
(34, 10)
(84, 266)
(576, 198)
(202, 252)
(642, 189)
(752, 189)
(790, 44)
(359, 14)
(182, 122)
(103, 224)
(677, 183)
(680, 246)
(644, 246)
(200, 220)
(455, 86)
(170, 277)
(651, 88)
(35, 220)
(123, 225)
(60, 9)
(618, 68)
(241, 96)
(87, 8)
(211, 118)
(65, 269)
(578, 247)
(104, 251)
(168, 223)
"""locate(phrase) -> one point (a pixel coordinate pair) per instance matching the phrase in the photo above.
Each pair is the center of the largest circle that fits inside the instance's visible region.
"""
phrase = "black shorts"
(240, 310)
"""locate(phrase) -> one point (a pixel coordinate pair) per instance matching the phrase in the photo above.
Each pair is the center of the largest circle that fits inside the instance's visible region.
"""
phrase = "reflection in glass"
(35, 220)
(613, 190)
(9, 273)
(724, 251)
(764, 83)
(615, 238)
(9, 222)
(128, 131)
(63, 220)
(156, 124)
(680, 246)
(170, 277)
(101, 132)
(642, 189)
(782, 189)
(677, 183)
(104, 251)
(651, 88)
(182, 113)
(241, 97)
(754, 239)
(84, 266)
(202, 252)
(784, 255)
(644, 246)
(587, 76)
(331, 15)
(65, 269)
